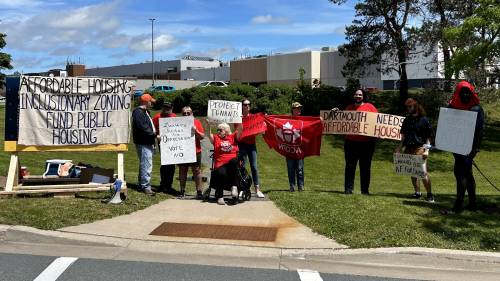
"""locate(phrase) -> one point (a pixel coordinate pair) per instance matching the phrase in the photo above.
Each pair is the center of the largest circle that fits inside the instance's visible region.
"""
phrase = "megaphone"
(115, 196)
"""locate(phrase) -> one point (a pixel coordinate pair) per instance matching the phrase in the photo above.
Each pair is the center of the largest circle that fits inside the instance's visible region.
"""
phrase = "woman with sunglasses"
(248, 149)
(225, 160)
(199, 133)
(416, 136)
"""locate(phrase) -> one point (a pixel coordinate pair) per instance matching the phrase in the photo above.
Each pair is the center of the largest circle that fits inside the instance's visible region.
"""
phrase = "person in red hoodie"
(465, 98)
(358, 148)
(166, 171)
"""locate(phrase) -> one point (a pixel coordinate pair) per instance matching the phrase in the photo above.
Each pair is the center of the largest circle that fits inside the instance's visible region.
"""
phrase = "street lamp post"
(152, 53)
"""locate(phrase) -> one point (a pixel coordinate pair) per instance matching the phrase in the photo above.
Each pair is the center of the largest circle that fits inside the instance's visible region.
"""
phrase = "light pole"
(152, 54)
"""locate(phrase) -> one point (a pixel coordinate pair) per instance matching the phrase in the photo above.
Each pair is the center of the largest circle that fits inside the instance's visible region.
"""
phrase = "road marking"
(309, 275)
(55, 269)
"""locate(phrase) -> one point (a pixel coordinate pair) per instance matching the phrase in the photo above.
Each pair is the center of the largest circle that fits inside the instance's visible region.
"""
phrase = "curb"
(243, 250)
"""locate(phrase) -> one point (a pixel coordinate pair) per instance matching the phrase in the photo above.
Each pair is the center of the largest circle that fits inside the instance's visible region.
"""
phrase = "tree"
(477, 43)
(438, 15)
(4, 60)
(377, 33)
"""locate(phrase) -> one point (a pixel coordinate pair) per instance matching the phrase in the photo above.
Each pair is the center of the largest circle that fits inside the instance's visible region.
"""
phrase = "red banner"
(253, 124)
(294, 137)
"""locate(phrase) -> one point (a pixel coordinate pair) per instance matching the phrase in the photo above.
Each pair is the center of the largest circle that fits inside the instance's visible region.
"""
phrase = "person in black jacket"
(464, 98)
(144, 134)
(416, 138)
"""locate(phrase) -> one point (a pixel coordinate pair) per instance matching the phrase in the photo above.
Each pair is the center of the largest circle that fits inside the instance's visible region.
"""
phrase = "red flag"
(294, 137)
(253, 124)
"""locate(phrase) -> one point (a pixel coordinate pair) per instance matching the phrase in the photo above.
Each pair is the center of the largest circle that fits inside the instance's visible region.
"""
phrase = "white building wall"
(207, 74)
(418, 66)
(195, 64)
(285, 67)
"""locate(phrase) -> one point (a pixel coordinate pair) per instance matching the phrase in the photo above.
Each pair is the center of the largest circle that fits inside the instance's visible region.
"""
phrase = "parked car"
(213, 84)
(160, 88)
(138, 93)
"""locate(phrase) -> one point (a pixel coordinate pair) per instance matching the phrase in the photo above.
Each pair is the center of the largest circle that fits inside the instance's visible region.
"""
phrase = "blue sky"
(42, 35)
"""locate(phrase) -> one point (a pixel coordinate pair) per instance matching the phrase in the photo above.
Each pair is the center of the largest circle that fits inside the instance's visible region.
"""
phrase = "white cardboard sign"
(222, 111)
(455, 130)
(74, 110)
(409, 164)
(177, 140)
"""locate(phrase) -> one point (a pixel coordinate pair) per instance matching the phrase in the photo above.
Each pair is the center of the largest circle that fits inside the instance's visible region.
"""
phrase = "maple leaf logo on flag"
(288, 134)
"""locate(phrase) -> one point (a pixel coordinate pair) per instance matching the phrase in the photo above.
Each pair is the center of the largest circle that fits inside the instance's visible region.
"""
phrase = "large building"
(252, 71)
(170, 70)
(206, 74)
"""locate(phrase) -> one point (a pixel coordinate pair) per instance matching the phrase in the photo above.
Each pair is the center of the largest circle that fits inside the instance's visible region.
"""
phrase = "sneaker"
(301, 188)
(415, 196)
(260, 194)
(234, 192)
(148, 191)
(221, 201)
(199, 195)
(430, 198)
(292, 189)
(348, 192)
(240, 195)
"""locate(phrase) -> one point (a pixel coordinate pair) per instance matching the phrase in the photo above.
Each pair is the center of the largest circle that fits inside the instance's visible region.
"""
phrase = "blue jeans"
(145, 155)
(295, 169)
(250, 150)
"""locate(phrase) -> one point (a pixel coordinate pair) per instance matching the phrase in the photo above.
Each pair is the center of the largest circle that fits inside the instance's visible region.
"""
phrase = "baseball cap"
(167, 104)
(296, 105)
(147, 97)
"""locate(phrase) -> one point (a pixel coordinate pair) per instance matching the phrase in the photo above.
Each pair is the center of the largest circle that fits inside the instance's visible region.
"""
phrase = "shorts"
(194, 164)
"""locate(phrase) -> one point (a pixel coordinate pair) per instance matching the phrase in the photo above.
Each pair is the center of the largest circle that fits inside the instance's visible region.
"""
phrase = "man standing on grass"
(144, 134)
(166, 171)
(416, 135)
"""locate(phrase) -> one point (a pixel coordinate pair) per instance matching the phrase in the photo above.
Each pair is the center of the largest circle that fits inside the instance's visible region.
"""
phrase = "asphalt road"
(15, 267)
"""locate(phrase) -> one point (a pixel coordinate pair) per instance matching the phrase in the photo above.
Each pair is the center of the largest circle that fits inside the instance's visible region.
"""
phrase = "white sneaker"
(234, 192)
(260, 194)
(221, 201)
(240, 196)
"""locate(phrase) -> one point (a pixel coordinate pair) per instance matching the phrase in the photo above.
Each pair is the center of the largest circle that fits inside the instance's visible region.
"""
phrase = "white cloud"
(142, 42)
(213, 53)
(269, 19)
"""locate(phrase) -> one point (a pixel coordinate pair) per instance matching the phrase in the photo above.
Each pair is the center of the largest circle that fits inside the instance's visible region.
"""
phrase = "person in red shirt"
(248, 149)
(166, 171)
(358, 148)
(199, 133)
(225, 160)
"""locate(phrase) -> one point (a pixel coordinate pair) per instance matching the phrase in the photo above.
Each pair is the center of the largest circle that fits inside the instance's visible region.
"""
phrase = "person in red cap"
(465, 98)
(166, 171)
(144, 135)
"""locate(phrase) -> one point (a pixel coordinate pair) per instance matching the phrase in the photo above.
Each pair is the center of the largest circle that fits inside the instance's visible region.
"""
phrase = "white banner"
(220, 111)
(455, 130)
(74, 110)
(409, 164)
(177, 140)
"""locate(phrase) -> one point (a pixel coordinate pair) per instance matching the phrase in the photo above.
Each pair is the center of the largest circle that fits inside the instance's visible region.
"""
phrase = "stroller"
(244, 182)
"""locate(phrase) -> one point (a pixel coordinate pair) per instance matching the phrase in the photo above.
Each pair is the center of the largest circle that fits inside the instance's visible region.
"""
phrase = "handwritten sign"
(220, 111)
(74, 110)
(455, 130)
(177, 140)
(409, 164)
(371, 124)
(253, 124)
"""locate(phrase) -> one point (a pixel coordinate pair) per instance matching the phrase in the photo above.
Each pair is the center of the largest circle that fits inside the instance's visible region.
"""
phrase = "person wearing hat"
(166, 171)
(144, 135)
(295, 167)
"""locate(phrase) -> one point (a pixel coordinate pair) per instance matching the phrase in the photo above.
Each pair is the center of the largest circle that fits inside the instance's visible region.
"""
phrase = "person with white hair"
(225, 160)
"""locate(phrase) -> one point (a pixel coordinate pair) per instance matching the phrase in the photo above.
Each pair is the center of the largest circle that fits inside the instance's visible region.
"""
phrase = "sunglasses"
(219, 130)
(246, 104)
(186, 113)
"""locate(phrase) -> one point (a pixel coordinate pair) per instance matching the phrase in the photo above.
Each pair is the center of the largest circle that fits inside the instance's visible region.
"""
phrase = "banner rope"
(484, 176)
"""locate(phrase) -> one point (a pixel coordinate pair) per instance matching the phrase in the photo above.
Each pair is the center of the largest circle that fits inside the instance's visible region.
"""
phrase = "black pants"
(465, 181)
(224, 177)
(167, 176)
(355, 151)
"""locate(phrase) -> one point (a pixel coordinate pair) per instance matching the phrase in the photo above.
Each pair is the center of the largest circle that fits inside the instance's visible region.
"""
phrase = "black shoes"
(415, 196)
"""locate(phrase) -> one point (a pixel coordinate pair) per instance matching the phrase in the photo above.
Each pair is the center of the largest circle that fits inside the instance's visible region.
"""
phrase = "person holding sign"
(225, 160)
(358, 148)
(248, 148)
(199, 133)
(465, 98)
(144, 134)
(416, 135)
(166, 171)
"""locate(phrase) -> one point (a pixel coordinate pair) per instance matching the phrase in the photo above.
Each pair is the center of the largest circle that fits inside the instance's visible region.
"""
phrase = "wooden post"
(13, 174)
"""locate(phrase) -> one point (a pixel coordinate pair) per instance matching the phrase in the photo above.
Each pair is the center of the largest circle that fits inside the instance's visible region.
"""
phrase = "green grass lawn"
(385, 218)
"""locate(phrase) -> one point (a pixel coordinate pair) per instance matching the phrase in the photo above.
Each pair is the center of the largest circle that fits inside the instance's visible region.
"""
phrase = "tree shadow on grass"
(491, 140)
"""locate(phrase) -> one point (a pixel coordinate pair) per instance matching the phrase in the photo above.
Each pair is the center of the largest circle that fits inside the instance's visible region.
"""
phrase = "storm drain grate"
(214, 231)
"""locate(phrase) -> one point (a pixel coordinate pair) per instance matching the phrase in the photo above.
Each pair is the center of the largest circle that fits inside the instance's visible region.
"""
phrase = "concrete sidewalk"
(262, 213)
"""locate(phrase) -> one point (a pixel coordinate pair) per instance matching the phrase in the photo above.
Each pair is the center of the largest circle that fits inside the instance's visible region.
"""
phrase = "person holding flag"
(295, 137)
